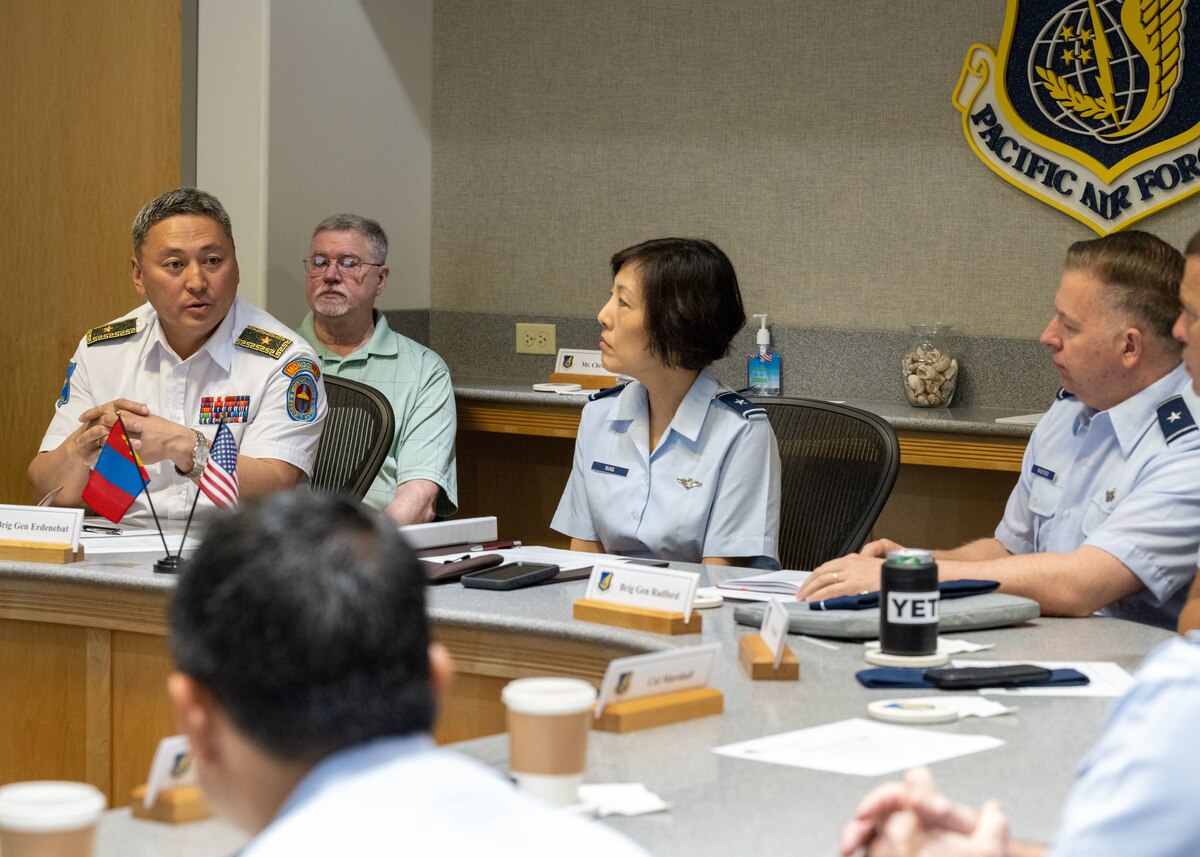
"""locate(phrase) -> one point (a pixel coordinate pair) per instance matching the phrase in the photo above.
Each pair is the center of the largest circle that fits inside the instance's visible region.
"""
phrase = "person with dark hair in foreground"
(307, 684)
(673, 465)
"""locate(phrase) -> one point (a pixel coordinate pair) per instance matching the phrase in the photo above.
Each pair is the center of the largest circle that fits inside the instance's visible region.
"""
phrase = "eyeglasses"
(349, 265)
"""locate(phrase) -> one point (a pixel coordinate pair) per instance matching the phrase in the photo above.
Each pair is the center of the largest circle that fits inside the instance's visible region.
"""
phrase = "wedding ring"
(836, 578)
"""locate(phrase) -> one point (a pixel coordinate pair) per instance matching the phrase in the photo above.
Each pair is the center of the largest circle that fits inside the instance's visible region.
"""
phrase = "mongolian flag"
(118, 477)
(219, 480)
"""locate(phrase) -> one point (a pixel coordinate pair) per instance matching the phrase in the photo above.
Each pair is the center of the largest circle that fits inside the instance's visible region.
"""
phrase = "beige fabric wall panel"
(92, 112)
(815, 142)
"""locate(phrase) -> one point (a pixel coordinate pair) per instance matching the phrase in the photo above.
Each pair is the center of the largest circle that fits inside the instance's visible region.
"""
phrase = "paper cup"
(548, 724)
(49, 819)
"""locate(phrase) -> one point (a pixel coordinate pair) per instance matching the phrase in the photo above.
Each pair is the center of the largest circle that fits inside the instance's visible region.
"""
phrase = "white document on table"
(858, 746)
(134, 540)
(566, 560)
(743, 594)
(1104, 678)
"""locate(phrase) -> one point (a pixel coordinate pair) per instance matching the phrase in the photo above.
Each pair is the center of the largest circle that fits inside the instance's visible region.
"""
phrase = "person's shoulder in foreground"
(407, 794)
(1136, 791)
(307, 685)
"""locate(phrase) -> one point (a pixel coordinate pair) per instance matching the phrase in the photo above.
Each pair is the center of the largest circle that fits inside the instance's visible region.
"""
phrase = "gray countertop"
(723, 806)
(970, 419)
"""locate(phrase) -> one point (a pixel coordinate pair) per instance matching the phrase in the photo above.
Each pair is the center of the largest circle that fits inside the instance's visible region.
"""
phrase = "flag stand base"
(168, 565)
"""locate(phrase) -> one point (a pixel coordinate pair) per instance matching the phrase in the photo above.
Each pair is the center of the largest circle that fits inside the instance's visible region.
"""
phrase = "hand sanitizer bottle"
(762, 369)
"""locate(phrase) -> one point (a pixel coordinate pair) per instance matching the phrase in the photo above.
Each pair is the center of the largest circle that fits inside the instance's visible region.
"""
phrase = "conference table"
(718, 805)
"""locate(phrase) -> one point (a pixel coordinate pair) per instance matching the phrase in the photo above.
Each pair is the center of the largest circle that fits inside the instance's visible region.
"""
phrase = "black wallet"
(967, 678)
(448, 572)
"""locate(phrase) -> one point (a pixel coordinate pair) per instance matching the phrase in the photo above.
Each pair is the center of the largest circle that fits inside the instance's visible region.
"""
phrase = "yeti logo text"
(913, 608)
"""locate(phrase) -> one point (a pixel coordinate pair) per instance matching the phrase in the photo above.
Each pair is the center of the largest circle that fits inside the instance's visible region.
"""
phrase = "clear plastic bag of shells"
(930, 373)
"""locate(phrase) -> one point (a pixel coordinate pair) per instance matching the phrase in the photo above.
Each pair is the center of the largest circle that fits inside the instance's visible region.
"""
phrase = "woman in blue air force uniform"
(673, 464)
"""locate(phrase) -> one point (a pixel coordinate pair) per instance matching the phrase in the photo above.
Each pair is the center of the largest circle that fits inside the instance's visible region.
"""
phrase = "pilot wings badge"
(1091, 106)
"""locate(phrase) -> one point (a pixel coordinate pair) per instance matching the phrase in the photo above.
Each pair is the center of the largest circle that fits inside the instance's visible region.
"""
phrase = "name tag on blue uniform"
(601, 467)
(1038, 470)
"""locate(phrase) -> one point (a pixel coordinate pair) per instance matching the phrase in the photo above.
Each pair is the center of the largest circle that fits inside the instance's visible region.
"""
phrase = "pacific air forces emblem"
(1092, 106)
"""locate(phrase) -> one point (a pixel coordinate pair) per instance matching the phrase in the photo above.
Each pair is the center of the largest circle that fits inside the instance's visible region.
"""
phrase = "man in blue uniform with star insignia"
(1105, 516)
(193, 356)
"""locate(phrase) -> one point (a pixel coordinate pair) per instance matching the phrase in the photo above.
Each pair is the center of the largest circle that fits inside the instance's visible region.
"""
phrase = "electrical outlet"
(535, 339)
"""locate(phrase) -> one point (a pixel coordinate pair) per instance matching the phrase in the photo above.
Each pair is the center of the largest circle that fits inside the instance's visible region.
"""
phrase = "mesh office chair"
(355, 439)
(839, 466)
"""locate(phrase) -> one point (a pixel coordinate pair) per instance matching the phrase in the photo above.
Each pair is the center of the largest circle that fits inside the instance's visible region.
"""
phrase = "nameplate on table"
(774, 629)
(579, 361)
(171, 768)
(43, 525)
(642, 586)
(640, 676)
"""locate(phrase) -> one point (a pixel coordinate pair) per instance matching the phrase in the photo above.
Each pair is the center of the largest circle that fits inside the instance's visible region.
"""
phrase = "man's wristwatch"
(199, 456)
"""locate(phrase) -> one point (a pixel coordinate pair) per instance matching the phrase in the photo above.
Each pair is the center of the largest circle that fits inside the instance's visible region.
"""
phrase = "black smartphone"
(969, 678)
(512, 575)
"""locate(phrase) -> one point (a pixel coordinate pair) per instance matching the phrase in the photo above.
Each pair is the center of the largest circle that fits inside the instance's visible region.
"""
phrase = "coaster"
(882, 659)
(912, 711)
(704, 601)
(557, 388)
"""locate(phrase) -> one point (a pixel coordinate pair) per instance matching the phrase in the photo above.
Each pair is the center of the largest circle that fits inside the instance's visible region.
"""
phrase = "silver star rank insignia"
(1110, 495)
(1174, 417)
(688, 482)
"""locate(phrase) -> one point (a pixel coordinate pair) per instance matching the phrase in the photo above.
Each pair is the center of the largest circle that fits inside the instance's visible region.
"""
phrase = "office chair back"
(355, 439)
(838, 467)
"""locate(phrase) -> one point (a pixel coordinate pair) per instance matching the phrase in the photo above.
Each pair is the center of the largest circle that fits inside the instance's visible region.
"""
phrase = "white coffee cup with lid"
(49, 818)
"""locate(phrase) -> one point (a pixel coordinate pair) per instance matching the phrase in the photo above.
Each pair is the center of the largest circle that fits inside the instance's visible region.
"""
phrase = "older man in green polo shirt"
(347, 270)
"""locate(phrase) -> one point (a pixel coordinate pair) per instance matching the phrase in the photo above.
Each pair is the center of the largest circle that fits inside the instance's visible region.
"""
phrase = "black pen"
(96, 528)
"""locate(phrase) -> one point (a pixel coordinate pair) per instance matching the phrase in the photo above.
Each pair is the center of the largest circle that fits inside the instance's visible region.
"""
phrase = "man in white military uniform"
(190, 358)
(1106, 512)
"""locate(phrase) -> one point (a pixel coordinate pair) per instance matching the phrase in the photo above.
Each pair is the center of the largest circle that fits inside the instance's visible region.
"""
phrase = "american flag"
(219, 480)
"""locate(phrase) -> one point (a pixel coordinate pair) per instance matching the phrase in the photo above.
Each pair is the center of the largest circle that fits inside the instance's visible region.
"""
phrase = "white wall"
(307, 108)
(231, 126)
(351, 117)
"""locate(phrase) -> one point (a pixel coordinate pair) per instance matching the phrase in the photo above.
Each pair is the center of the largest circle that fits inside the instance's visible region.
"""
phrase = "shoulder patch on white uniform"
(607, 391)
(1175, 419)
(112, 330)
(742, 404)
(263, 341)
